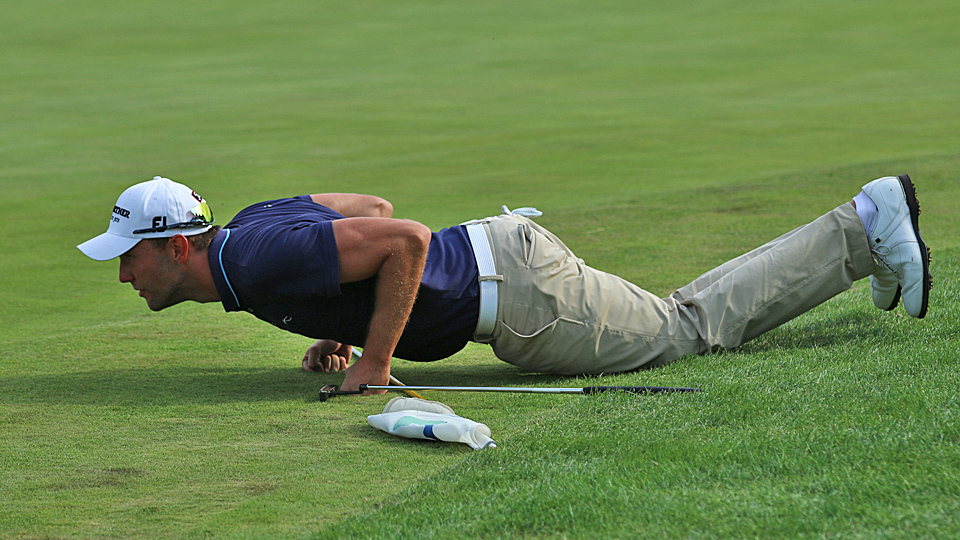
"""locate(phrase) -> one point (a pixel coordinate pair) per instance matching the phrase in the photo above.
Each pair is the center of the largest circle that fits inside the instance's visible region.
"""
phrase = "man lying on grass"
(338, 268)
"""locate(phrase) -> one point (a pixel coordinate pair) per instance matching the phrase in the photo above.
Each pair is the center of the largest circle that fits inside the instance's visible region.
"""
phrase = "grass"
(660, 138)
(795, 438)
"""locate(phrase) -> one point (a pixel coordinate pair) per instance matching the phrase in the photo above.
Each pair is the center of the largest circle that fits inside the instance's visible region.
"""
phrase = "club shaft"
(411, 390)
(585, 390)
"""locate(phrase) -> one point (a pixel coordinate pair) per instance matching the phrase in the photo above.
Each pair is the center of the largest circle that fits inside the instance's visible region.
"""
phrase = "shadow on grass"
(214, 385)
(822, 332)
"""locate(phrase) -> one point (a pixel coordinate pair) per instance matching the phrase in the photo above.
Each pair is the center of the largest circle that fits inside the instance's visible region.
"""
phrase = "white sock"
(868, 211)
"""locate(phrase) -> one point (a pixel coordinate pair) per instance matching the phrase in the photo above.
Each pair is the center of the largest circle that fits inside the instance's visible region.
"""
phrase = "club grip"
(637, 389)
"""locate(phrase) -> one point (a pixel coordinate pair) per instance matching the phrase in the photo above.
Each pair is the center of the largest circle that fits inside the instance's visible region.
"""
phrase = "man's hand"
(366, 371)
(327, 355)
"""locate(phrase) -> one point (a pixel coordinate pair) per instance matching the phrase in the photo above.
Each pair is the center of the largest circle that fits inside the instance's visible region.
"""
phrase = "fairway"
(659, 138)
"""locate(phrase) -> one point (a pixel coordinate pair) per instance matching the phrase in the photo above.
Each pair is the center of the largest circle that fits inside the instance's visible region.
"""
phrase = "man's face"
(154, 273)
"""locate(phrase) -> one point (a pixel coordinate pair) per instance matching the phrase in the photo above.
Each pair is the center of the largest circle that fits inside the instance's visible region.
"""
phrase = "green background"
(659, 138)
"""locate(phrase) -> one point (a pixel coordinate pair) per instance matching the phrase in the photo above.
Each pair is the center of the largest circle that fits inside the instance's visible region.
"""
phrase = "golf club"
(332, 390)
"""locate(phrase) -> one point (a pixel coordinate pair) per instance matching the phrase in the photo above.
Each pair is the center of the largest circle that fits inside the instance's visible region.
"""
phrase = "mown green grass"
(842, 424)
(660, 138)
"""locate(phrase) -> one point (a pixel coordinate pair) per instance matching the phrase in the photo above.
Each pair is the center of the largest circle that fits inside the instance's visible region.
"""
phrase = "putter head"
(327, 390)
(332, 390)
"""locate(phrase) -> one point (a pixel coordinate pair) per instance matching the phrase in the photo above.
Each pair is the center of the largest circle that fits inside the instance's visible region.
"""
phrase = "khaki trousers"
(558, 315)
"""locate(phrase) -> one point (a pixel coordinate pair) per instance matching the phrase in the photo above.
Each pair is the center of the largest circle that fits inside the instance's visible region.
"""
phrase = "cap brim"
(107, 246)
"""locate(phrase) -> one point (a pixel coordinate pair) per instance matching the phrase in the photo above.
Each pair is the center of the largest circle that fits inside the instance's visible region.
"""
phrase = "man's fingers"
(332, 362)
(326, 355)
(309, 361)
(314, 361)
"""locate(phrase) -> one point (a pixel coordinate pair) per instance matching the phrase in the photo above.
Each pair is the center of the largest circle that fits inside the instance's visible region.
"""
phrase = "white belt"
(488, 280)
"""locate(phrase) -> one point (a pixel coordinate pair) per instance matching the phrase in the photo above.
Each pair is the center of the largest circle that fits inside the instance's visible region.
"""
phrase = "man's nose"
(125, 275)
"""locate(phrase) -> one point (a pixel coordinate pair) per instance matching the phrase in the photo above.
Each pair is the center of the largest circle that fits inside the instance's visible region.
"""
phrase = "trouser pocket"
(526, 242)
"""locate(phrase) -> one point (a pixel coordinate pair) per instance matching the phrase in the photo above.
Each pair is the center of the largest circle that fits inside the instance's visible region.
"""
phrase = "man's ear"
(180, 248)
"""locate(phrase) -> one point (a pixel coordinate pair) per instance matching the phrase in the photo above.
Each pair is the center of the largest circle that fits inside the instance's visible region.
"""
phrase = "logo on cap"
(121, 211)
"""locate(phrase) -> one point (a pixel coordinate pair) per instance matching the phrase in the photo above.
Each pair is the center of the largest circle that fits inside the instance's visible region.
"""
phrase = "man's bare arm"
(320, 357)
(395, 251)
(354, 205)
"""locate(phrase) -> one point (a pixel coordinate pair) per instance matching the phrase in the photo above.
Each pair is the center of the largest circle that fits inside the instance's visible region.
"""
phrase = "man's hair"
(199, 242)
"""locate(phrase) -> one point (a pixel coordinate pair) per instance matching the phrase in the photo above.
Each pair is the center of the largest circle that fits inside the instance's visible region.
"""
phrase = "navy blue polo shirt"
(278, 260)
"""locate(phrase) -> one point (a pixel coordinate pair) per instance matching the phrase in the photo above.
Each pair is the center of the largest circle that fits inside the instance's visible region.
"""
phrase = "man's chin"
(159, 304)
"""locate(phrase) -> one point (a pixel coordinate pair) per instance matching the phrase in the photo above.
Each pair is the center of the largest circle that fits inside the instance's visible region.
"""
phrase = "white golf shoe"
(904, 260)
(885, 287)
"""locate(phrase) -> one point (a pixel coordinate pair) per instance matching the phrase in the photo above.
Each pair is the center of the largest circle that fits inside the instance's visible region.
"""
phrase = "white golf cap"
(159, 208)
